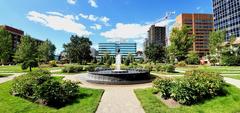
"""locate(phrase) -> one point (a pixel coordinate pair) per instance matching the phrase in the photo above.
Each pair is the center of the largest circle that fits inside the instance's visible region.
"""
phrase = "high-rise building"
(156, 35)
(227, 17)
(201, 25)
(111, 48)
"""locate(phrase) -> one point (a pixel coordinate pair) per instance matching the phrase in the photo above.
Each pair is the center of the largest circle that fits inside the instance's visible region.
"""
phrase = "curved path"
(116, 98)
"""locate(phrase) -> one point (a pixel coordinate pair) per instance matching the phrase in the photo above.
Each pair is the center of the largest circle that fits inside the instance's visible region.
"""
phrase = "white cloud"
(55, 13)
(132, 31)
(96, 27)
(93, 3)
(92, 18)
(136, 32)
(104, 20)
(126, 31)
(72, 1)
(83, 16)
(59, 22)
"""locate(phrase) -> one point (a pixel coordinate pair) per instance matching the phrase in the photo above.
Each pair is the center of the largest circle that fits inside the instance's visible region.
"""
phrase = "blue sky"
(101, 20)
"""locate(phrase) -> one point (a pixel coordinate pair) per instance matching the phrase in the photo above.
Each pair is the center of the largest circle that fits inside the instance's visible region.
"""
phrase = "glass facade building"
(111, 48)
(227, 16)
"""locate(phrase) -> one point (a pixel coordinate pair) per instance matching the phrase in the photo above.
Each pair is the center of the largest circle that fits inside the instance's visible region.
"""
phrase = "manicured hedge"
(73, 69)
(40, 87)
(196, 86)
(165, 68)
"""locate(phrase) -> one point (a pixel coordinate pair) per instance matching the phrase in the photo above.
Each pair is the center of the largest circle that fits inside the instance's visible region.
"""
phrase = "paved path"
(5, 79)
(116, 98)
(234, 82)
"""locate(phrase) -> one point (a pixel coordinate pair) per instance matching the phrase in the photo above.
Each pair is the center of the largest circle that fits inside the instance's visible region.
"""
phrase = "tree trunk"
(30, 67)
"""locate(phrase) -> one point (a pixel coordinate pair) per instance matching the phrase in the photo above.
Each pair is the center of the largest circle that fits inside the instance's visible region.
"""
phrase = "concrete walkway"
(116, 98)
(232, 81)
(5, 79)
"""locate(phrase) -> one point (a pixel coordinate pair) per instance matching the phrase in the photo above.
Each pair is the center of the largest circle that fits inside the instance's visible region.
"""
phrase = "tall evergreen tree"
(27, 53)
(78, 50)
(5, 46)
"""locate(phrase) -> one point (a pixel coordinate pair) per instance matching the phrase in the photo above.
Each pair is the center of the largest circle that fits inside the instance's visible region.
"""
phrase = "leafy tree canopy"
(78, 50)
(5, 46)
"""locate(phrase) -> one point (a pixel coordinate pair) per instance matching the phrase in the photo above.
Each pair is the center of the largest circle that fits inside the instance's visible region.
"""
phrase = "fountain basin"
(119, 77)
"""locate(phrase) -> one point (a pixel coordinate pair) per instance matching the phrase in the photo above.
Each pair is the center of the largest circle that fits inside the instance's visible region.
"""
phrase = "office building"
(201, 26)
(227, 17)
(111, 49)
(156, 35)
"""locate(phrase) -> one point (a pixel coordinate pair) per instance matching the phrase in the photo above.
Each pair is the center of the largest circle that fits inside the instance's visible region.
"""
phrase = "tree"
(46, 51)
(155, 53)
(27, 53)
(216, 39)
(192, 58)
(106, 57)
(5, 46)
(78, 50)
(181, 42)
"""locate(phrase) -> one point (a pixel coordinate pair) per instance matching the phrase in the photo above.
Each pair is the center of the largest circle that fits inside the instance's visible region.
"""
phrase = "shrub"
(192, 58)
(158, 68)
(169, 68)
(90, 68)
(23, 86)
(40, 87)
(197, 86)
(72, 69)
(148, 67)
(164, 86)
(181, 64)
(53, 63)
(230, 60)
(127, 62)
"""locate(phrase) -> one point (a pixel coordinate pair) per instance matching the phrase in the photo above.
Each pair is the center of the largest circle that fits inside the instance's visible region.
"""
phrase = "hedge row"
(196, 86)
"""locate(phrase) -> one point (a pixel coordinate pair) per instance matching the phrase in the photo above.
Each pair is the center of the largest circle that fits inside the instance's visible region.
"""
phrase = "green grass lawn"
(234, 76)
(224, 104)
(88, 103)
(18, 69)
(224, 70)
(5, 75)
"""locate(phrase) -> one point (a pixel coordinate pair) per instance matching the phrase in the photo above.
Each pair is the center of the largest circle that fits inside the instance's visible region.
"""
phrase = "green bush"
(148, 67)
(181, 64)
(127, 62)
(23, 86)
(169, 68)
(192, 58)
(53, 63)
(40, 87)
(72, 69)
(90, 68)
(197, 86)
(158, 68)
(164, 86)
(230, 60)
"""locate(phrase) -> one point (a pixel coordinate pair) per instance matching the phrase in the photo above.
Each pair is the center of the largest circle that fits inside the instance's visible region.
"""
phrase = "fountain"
(118, 76)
